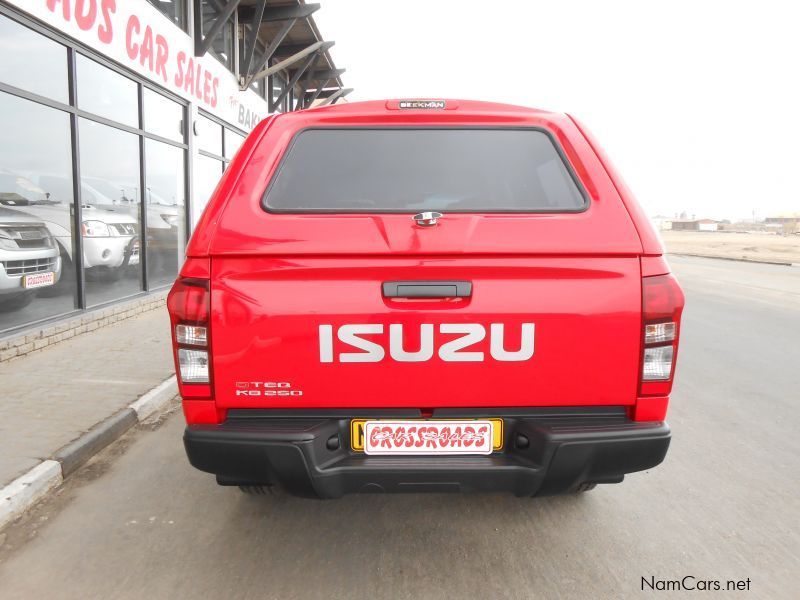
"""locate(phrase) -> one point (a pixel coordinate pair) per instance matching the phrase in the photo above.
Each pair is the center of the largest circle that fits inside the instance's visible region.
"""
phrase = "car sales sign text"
(135, 34)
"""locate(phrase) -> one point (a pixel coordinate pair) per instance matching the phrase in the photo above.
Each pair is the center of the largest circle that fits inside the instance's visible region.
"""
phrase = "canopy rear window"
(411, 170)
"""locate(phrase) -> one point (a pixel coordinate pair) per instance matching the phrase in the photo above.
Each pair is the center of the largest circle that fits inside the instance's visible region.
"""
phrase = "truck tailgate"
(570, 332)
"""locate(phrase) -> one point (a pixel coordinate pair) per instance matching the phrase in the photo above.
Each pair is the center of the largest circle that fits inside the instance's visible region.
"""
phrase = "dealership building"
(118, 118)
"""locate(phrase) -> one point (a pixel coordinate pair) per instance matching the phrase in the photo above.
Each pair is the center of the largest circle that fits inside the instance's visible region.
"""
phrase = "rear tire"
(16, 301)
(66, 283)
(585, 487)
(256, 490)
(109, 274)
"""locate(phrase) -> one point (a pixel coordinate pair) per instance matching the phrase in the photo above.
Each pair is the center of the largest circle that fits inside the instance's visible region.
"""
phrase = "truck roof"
(456, 111)
(451, 104)
(616, 224)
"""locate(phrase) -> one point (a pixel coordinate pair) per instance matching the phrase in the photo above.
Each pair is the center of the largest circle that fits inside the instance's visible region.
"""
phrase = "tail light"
(662, 304)
(188, 304)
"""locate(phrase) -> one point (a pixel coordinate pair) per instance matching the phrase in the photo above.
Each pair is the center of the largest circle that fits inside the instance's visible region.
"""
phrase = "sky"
(697, 102)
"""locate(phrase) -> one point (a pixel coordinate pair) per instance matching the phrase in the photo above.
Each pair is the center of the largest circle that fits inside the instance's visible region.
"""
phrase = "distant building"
(661, 222)
(784, 218)
(784, 222)
(695, 225)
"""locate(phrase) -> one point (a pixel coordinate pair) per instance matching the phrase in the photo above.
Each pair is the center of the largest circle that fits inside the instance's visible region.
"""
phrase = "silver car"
(110, 237)
(29, 258)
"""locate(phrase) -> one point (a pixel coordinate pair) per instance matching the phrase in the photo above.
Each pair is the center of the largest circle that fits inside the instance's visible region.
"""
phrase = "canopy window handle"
(427, 289)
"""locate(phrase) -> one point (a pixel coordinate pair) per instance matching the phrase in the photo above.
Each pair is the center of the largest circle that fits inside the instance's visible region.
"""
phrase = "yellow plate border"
(357, 435)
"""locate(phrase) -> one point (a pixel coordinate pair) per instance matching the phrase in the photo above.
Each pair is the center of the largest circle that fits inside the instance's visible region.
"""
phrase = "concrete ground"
(726, 244)
(140, 522)
(50, 398)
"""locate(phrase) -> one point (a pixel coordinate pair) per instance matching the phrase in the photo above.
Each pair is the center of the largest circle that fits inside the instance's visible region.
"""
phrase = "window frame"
(221, 158)
(270, 89)
(184, 25)
(36, 29)
(218, 121)
(231, 26)
(74, 48)
(358, 211)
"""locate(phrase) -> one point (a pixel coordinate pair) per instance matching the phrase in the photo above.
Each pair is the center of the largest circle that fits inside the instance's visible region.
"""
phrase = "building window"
(259, 87)
(32, 62)
(277, 85)
(223, 45)
(232, 143)
(216, 145)
(174, 10)
(131, 217)
(207, 172)
(162, 116)
(37, 277)
(110, 196)
(107, 93)
(209, 135)
(165, 199)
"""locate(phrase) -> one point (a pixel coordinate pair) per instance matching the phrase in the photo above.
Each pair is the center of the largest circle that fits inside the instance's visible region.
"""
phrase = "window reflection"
(232, 143)
(110, 196)
(32, 62)
(174, 10)
(166, 211)
(207, 172)
(37, 279)
(162, 116)
(209, 135)
(222, 45)
(106, 93)
(277, 86)
(258, 86)
(38, 236)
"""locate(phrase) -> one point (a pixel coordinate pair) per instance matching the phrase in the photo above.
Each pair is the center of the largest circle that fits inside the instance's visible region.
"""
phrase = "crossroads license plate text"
(36, 280)
(431, 437)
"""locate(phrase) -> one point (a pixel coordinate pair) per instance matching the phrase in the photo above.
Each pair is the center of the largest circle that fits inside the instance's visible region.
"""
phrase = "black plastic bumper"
(546, 451)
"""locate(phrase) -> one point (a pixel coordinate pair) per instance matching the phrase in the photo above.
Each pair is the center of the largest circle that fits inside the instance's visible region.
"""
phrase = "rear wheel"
(16, 301)
(257, 490)
(66, 283)
(104, 274)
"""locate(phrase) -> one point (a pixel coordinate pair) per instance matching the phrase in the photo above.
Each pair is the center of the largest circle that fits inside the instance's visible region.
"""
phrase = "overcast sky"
(697, 102)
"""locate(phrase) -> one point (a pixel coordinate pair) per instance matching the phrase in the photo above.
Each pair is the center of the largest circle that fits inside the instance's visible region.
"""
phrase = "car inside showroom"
(119, 119)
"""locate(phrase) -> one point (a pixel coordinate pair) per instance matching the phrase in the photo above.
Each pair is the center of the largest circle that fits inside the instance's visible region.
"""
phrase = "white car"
(165, 229)
(161, 214)
(164, 219)
(110, 237)
(29, 258)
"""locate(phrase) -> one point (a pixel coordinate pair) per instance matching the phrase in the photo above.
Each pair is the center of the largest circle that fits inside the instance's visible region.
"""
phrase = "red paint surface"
(274, 278)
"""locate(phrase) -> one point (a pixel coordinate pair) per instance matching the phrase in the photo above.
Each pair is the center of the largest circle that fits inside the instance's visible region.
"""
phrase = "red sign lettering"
(144, 45)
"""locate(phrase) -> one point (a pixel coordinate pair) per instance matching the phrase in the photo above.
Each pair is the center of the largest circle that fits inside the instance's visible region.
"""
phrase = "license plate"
(426, 437)
(37, 280)
(133, 259)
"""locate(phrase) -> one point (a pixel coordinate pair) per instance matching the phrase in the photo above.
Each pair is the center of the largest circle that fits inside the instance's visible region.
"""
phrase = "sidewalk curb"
(155, 399)
(747, 260)
(30, 487)
(75, 454)
(27, 489)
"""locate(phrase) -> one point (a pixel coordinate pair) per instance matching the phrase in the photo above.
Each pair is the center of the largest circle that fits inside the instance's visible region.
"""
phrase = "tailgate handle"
(427, 289)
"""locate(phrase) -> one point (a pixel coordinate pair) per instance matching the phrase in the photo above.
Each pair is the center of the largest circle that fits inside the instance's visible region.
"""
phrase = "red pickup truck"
(424, 295)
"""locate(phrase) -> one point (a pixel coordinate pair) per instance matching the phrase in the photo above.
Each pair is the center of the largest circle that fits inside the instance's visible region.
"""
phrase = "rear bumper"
(545, 452)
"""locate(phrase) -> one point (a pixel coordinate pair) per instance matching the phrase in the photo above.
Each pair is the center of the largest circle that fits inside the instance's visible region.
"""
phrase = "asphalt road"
(139, 522)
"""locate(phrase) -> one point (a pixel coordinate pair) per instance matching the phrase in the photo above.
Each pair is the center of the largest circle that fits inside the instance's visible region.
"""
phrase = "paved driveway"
(141, 523)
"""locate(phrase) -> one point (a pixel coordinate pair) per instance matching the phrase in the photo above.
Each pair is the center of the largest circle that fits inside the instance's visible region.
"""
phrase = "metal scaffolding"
(281, 38)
